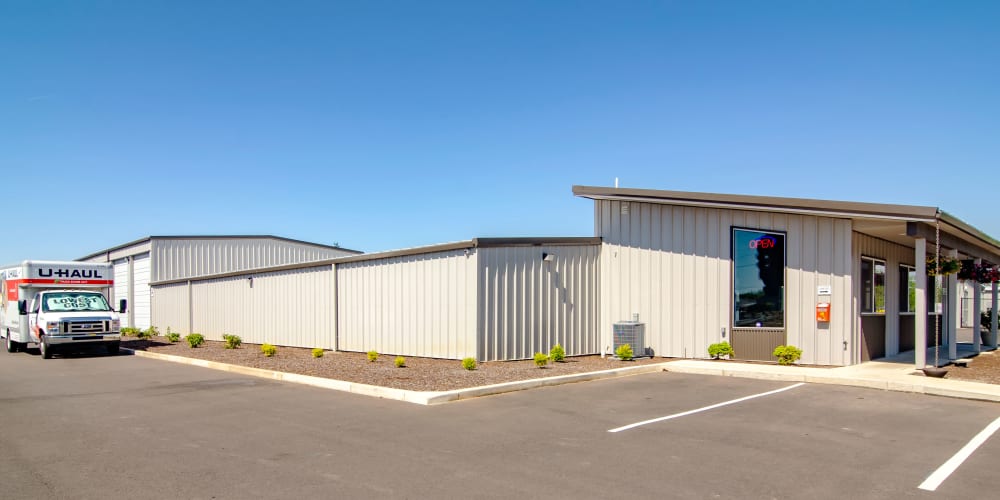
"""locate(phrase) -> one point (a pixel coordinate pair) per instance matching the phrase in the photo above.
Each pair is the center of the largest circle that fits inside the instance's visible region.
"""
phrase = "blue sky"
(381, 125)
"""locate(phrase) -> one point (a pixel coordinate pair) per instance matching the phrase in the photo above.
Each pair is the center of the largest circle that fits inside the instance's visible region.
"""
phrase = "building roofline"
(216, 237)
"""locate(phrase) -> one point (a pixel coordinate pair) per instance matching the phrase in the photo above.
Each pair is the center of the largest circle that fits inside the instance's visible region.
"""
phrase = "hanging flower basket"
(948, 266)
(985, 273)
(968, 270)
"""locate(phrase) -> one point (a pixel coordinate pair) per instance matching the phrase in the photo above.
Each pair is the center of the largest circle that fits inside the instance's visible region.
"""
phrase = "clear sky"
(381, 125)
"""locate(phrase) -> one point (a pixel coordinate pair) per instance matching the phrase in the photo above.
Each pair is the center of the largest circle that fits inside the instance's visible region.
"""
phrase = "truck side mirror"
(22, 307)
(122, 306)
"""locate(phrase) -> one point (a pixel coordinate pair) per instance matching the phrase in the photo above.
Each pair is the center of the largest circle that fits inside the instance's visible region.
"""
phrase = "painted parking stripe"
(699, 410)
(942, 473)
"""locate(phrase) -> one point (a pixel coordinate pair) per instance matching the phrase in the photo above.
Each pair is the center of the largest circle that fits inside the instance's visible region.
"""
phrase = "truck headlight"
(52, 327)
(116, 325)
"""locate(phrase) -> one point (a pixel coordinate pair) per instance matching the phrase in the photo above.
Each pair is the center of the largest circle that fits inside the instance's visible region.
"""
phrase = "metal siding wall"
(170, 309)
(418, 305)
(141, 294)
(180, 258)
(121, 287)
(672, 265)
(893, 255)
(527, 305)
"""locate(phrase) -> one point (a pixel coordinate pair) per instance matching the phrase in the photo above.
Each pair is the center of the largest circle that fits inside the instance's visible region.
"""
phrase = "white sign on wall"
(824, 290)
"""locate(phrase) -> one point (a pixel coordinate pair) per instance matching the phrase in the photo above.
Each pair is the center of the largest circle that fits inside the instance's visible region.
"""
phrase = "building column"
(993, 318)
(977, 299)
(954, 311)
(920, 295)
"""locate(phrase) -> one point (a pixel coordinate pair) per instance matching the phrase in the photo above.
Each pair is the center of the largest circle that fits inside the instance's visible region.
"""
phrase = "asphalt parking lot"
(121, 426)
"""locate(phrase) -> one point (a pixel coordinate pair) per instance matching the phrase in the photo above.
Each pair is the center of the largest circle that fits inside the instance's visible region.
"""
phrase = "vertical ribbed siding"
(527, 305)
(186, 258)
(417, 305)
(142, 301)
(289, 308)
(893, 255)
(170, 308)
(672, 266)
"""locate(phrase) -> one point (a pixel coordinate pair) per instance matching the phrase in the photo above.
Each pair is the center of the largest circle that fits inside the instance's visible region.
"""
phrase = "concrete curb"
(418, 397)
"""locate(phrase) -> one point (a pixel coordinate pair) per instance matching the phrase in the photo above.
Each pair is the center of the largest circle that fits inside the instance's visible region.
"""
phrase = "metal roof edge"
(970, 230)
(216, 237)
(536, 241)
(404, 252)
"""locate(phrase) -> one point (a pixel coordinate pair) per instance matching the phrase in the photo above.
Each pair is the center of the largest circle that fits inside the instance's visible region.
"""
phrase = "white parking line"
(691, 412)
(942, 473)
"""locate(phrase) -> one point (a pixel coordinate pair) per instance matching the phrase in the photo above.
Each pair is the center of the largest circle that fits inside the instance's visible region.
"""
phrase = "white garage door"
(140, 274)
(121, 287)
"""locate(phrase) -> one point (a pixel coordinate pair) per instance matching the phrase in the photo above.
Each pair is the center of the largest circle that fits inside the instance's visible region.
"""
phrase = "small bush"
(232, 341)
(268, 350)
(787, 354)
(317, 352)
(400, 361)
(541, 359)
(129, 331)
(469, 363)
(147, 333)
(173, 337)
(372, 356)
(195, 339)
(557, 353)
(624, 352)
(721, 349)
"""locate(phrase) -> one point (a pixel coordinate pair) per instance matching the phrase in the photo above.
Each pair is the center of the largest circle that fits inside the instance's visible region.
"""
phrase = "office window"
(907, 289)
(872, 286)
(758, 279)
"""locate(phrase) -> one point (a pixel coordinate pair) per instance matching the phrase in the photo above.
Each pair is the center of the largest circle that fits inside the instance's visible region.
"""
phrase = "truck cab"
(63, 318)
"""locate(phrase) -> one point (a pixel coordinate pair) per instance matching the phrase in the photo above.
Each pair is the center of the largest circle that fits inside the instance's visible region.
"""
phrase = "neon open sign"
(764, 242)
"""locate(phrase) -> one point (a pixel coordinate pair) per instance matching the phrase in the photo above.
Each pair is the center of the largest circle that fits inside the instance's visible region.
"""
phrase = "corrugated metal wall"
(171, 308)
(527, 305)
(141, 300)
(186, 258)
(672, 265)
(290, 308)
(417, 305)
(893, 255)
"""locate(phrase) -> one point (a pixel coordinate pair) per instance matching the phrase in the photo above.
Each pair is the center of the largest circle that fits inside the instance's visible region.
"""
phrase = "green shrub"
(400, 361)
(469, 363)
(787, 354)
(372, 356)
(721, 349)
(317, 352)
(557, 353)
(268, 350)
(232, 341)
(541, 359)
(624, 352)
(195, 339)
(147, 333)
(173, 337)
(128, 330)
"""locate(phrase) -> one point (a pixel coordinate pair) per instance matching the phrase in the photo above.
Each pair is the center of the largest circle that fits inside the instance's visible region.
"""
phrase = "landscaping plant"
(541, 359)
(317, 352)
(268, 350)
(147, 333)
(232, 341)
(129, 331)
(720, 349)
(469, 363)
(173, 337)
(372, 356)
(787, 354)
(195, 339)
(400, 361)
(557, 353)
(624, 352)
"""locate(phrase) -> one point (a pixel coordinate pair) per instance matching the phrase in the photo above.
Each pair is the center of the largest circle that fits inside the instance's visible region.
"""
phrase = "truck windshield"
(74, 301)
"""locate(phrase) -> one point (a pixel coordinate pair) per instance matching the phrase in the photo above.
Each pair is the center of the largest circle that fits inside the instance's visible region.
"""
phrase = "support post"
(954, 311)
(993, 318)
(920, 321)
(977, 300)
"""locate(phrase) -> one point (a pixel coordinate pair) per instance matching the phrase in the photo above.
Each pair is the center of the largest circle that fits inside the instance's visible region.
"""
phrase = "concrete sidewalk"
(873, 374)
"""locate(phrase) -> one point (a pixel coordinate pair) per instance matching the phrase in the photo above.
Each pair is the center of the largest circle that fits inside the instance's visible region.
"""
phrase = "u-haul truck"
(58, 305)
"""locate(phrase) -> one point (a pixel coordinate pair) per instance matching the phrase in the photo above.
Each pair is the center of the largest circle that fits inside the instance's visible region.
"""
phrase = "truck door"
(33, 317)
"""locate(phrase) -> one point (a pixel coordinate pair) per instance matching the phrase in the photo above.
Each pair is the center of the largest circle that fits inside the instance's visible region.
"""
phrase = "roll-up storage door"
(141, 295)
(122, 286)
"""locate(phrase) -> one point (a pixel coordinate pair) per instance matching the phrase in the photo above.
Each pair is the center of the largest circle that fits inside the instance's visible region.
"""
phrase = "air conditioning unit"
(632, 333)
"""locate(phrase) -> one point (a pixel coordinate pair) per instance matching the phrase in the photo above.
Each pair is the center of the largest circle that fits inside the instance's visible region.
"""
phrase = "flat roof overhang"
(896, 223)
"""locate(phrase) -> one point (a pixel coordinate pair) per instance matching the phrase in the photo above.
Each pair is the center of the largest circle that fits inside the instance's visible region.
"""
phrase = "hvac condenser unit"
(632, 333)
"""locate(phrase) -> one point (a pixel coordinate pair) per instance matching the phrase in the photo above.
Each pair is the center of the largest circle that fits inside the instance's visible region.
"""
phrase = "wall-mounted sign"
(764, 242)
(824, 290)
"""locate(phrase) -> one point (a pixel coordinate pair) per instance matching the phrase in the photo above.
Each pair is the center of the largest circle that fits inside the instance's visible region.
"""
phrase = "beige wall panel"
(185, 258)
(673, 268)
(418, 305)
(222, 306)
(528, 306)
(893, 254)
(170, 308)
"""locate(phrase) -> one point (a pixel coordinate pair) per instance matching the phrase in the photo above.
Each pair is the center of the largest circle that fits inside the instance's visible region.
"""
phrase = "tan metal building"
(152, 259)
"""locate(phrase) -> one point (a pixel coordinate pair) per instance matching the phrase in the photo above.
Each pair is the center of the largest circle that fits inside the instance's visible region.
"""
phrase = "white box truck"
(58, 305)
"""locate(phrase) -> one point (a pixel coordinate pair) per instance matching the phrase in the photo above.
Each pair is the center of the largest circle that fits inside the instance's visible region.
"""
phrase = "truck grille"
(86, 326)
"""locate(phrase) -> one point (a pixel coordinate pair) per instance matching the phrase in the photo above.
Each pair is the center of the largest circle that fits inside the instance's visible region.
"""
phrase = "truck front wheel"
(11, 345)
(45, 348)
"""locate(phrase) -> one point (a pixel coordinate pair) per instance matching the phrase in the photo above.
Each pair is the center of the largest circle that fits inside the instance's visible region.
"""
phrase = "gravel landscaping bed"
(420, 374)
(983, 368)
